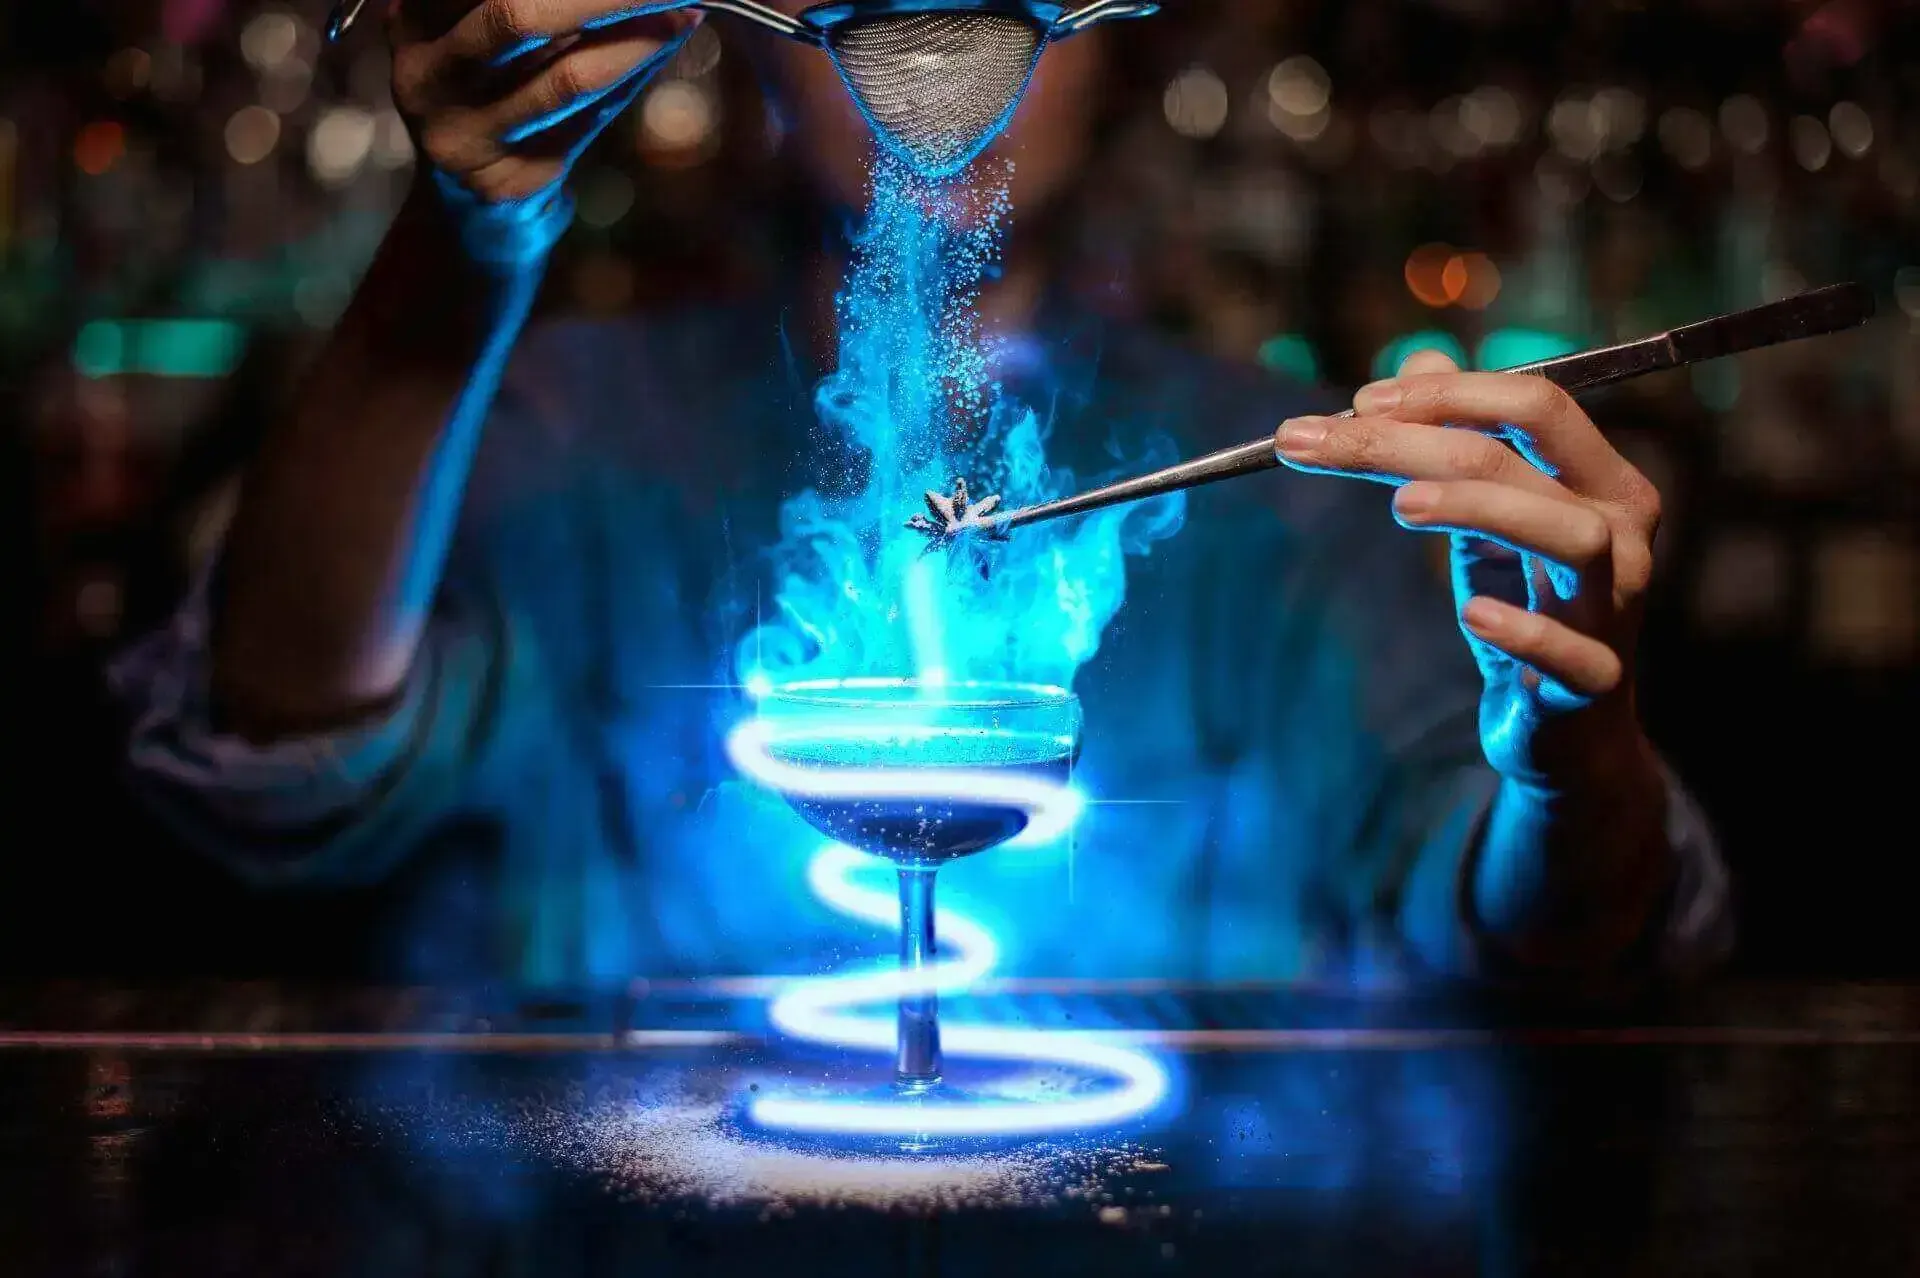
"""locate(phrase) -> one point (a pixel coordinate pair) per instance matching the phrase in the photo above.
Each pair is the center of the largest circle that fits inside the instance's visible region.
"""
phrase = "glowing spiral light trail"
(823, 1011)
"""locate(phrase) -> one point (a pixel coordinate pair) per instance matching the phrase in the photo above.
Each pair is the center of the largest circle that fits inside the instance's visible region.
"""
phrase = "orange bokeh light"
(1440, 275)
(99, 146)
(1425, 272)
(1471, 280)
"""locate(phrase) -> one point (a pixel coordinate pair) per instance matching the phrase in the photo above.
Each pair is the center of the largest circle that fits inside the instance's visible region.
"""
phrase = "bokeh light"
(1299, 86)
(1394, 355)
(1618, 176)
(1744, 121)
(678, 119)
(1425, 273)
(1619, 116)
(1576, 128)
(1196, 103)
(1291, 355)
(1491, 115)
(269, 39)
(1906, 290)
(285, 89)
(1471, 280)
(339, 145)
(1514, 347)
(1687, 136)
(606, 196)
(251, 134)
(99, 146)
(1852, 128)
(1812, 145)
(392, 147)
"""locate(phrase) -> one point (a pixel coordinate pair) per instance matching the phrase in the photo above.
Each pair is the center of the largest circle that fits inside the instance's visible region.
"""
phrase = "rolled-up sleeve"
(1697, 932)
(336, 808)
(1689, 937)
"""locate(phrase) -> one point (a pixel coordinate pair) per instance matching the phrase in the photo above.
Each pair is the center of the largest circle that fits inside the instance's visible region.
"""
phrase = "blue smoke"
(918, 403)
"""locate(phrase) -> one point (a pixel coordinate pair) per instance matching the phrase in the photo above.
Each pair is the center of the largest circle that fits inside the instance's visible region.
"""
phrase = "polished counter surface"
(263, 1130)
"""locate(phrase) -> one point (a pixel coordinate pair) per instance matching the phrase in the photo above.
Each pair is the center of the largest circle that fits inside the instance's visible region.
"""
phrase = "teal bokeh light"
(1397, 352)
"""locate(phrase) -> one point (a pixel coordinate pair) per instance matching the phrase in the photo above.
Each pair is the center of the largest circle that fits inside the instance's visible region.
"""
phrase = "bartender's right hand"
(502, 96)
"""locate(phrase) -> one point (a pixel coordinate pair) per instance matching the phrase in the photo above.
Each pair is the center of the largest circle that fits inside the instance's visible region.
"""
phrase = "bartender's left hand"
(1552, 550)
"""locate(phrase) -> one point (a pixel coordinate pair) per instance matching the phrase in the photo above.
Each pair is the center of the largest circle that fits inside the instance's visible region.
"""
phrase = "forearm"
(341, 535)
(1571, 880)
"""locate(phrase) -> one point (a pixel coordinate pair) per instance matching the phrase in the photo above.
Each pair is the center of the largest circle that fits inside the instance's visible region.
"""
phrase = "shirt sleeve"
(1697, 932)
(335, 808)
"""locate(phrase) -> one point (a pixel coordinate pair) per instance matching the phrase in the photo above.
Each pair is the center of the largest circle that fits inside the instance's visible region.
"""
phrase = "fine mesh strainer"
(937, 79)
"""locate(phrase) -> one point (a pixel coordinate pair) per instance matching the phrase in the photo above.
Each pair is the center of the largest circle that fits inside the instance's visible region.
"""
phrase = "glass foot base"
(979, 1110)
(894, 1117)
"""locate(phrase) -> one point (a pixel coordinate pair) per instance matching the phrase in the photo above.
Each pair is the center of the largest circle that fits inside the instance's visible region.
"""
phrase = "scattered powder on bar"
(674, 1147)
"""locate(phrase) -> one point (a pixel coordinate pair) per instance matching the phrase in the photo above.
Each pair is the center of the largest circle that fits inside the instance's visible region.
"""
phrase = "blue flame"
(915, 404)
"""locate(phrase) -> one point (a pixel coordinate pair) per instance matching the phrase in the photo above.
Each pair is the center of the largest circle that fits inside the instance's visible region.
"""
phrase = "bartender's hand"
(502, 96)
(1552, 549)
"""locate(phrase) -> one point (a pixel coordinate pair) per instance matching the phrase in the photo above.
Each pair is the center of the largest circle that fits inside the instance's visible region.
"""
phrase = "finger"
(447, 73)
(1562, 530)
(498, 30)
(563, 97)
(1394, 452)
(1579, 663)
(536, 163)
(567, 139)
(576, 80)
(1427, 361)
(1542, 420)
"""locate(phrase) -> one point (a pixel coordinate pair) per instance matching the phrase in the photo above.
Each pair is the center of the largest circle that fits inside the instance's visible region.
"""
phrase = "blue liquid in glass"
(915, 832)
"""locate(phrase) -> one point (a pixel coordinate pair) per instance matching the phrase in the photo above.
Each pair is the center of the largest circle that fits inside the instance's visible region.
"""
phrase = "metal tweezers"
(1825, 310)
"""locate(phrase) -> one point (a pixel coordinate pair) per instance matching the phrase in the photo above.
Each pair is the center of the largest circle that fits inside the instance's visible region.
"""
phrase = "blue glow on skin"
(619, 94)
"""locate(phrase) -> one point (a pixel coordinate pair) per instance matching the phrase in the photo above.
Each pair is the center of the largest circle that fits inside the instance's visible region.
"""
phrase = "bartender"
(482, 587)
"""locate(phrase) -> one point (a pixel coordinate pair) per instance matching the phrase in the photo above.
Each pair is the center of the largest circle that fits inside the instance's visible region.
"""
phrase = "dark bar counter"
(219, 1129)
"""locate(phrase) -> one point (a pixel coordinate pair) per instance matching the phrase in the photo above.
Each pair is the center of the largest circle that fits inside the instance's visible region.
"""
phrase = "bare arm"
(337, 547)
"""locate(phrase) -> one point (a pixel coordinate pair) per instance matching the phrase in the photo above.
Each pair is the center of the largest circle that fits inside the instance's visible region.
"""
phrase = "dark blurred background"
(189, 189)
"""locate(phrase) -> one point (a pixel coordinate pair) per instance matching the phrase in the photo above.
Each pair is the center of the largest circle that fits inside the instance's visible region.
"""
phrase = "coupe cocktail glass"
(920, 773)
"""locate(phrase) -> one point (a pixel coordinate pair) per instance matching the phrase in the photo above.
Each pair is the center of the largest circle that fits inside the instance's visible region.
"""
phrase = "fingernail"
(1380, 397)
(1483, 615)
(1302, 435)
(1416, 499)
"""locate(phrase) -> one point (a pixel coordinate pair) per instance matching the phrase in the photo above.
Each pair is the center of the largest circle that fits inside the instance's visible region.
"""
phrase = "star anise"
(950, 517)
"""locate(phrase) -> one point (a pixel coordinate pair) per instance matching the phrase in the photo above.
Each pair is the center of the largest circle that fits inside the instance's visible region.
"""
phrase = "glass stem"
(917, 1066)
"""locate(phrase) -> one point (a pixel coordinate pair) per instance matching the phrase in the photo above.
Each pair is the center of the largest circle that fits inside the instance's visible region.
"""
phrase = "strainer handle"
(753, 11)
(1102, 11)
(347, 12)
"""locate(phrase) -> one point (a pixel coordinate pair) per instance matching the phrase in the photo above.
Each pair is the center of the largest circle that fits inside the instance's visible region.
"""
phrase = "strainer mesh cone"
(938, 88)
